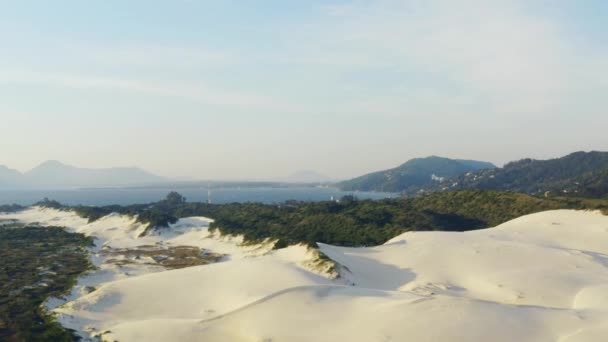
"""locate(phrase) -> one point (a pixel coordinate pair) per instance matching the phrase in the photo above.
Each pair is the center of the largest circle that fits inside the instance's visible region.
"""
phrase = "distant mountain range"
(583, 174)
(580, 174)
(54, 174)
(414, 174)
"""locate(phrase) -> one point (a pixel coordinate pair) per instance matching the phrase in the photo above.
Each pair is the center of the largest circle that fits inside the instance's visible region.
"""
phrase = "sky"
(257, 89)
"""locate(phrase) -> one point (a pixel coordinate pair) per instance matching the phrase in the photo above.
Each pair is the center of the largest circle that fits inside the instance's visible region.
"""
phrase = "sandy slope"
(542, 277)
(142, 292)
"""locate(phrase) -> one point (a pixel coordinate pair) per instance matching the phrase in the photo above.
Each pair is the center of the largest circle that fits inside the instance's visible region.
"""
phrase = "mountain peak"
(8, 175)
(581, 174)
(55, 174)
(413, 174)
(51, 163)
(5, 168)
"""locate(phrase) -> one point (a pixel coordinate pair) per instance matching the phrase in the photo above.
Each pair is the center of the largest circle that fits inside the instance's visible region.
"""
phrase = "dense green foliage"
(359, 223)
(11, 208)
(350, 222)
(159, 214)
(578, 174)
(495, 207)
(37, 263)
(413, 174)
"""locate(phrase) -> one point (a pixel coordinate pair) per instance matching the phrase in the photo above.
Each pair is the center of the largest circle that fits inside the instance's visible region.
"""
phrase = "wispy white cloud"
(490, 57)
(190, 90)
(471, 78)
(496, 51)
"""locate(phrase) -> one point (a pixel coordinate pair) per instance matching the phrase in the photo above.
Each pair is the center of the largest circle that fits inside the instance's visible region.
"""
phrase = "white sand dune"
(542, 277)
(542, 259)
(358, 314)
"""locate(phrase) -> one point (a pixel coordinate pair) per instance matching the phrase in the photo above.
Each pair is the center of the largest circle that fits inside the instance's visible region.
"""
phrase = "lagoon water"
(126, 196)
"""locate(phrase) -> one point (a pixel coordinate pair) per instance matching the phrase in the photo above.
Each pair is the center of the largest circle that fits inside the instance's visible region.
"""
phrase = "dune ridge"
(540, 277)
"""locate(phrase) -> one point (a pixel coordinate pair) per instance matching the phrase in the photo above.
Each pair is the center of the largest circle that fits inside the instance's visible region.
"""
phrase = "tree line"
(348, 222)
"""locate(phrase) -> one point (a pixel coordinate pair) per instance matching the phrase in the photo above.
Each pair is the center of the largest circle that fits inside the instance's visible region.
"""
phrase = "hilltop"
(55, 174)
(580, 174)
(413, 174)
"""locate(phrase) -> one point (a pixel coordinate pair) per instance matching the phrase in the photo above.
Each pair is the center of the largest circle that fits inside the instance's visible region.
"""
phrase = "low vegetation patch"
(37, 263)
(11, 208)
(168, 257)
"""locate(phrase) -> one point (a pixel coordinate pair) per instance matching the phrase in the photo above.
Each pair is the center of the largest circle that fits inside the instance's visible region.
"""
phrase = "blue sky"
(253, 89)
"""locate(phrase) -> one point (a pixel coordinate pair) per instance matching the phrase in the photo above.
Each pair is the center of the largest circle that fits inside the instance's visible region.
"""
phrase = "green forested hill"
(580, 174)
(413, 174)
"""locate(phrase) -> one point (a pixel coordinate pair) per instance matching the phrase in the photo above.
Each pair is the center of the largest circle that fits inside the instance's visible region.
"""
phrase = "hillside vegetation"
(580, 174)
(413, 174)
(349, 222)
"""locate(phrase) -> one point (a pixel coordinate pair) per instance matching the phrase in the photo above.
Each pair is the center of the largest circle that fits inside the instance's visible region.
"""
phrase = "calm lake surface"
(125, 196)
